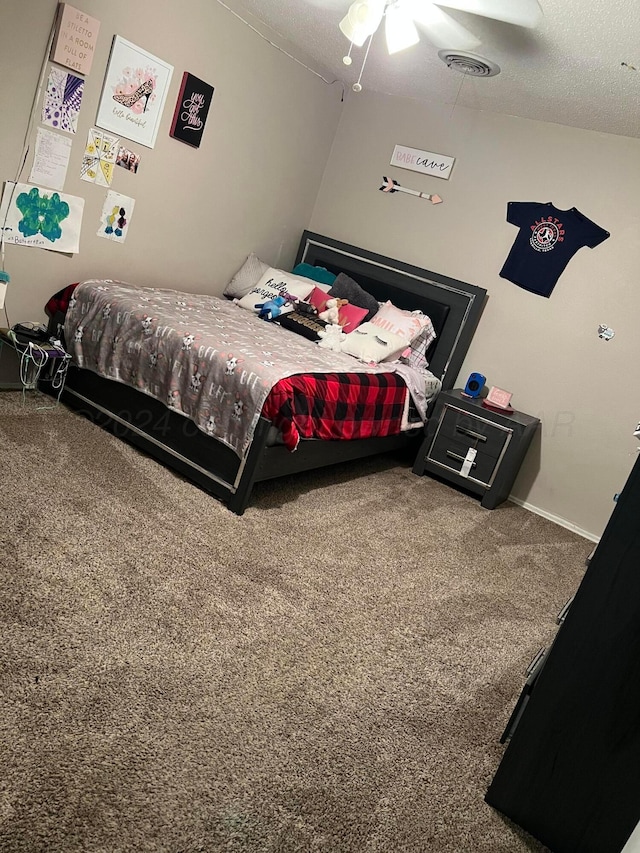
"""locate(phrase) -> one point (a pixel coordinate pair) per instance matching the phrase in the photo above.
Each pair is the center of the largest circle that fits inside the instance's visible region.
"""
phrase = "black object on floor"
(570, 775)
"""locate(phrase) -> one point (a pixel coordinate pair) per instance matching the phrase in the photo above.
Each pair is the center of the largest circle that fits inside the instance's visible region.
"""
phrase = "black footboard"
(176, 441)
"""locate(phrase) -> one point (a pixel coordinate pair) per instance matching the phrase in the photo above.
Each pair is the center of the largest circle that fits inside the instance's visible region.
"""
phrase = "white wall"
(633, 844)
(546, 351)
(250, 186)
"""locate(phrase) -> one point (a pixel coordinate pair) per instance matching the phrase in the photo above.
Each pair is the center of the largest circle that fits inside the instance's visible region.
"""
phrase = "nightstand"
(459, 423)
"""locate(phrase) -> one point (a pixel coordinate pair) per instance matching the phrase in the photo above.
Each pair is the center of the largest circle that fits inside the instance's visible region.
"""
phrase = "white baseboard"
(556, 519)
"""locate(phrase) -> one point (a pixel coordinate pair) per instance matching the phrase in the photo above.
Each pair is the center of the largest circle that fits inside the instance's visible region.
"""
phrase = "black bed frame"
(454, 307)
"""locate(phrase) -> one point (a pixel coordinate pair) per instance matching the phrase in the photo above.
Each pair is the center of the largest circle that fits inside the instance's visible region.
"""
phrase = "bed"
(230, 472)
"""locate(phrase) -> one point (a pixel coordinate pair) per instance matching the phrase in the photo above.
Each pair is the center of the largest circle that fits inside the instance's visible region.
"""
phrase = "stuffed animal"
(272, 308)
(332, 337)
(331, 313)
(306, 308)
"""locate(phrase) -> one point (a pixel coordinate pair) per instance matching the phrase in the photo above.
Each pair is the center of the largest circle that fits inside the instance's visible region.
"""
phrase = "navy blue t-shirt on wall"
(547, 240)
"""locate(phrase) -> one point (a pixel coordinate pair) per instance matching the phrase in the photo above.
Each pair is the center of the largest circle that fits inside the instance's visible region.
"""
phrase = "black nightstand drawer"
(451, 454)
(459, 423)
(473, 430)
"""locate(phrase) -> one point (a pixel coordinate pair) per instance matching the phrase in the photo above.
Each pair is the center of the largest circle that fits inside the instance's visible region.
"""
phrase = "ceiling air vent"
(469, 63)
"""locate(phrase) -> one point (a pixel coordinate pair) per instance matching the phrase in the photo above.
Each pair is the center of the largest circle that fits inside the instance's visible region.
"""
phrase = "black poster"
(190, 115)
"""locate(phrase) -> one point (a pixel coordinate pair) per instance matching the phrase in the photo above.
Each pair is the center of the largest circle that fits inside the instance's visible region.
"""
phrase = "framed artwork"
(192, 108)
(134, 93)
(75, 39)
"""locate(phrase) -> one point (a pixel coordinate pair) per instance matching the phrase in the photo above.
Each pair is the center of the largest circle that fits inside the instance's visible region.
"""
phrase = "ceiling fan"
(401, 16)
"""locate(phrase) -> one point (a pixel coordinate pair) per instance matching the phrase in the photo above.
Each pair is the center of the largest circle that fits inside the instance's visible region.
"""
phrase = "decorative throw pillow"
(318, 298)
(302, 324)
(317, 274)
(350, 315)
(369, 343)
(246, 278)
(346, 288)
(407, 323)
(273, 283)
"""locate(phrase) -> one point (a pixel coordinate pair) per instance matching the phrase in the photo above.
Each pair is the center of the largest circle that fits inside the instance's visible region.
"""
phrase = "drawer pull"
(471, 433)
(458, 457)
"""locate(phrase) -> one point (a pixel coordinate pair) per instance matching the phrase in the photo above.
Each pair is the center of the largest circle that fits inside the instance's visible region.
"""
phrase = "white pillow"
(370, 343)
(246, 278)
(273, 283)
(409, 323)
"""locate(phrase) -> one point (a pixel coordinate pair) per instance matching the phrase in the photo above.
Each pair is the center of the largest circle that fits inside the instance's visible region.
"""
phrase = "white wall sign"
(438, 165)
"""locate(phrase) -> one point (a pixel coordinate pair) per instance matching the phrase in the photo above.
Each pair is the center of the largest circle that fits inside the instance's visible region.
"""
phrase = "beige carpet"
(330, 672)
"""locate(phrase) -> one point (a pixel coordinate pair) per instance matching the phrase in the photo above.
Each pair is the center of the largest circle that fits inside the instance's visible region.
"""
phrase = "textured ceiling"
(567, 71)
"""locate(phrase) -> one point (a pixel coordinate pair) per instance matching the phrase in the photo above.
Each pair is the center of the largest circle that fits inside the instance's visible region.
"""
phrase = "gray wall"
(546, 351)
(250, 186)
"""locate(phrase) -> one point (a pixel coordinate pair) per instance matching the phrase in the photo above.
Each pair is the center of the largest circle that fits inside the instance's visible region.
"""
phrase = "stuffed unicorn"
(331, 337)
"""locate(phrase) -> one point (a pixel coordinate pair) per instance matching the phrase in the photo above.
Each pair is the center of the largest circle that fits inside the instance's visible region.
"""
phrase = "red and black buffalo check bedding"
(336, 406)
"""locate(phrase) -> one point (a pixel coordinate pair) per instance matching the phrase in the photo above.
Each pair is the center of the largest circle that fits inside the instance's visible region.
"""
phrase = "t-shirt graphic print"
(547, 240)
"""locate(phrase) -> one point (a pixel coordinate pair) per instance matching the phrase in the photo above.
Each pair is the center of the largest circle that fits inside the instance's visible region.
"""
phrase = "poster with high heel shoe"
(134, 93)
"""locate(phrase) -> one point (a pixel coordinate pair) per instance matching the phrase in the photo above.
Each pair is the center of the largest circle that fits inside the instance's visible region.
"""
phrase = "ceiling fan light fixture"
(400, 31)
(362, 20)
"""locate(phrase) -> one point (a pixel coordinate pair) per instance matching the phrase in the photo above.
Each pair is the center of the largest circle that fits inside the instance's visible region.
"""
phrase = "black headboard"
(453, 306)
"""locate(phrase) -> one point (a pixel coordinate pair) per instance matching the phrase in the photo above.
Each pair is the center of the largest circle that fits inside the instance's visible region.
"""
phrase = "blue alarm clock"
(475, 384)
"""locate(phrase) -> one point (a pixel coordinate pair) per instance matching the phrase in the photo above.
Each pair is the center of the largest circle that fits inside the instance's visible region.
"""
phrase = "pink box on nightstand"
(498, 399)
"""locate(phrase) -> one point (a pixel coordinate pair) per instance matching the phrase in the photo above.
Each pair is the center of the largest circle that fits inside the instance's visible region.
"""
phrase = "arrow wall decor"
(391, 186)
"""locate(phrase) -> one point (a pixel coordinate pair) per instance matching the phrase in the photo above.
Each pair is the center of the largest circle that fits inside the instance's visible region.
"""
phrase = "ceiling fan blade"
(440, 28)
(523, 13)
(400, 30)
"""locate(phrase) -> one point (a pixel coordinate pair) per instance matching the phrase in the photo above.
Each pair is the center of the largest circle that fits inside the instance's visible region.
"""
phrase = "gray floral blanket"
(203, 356)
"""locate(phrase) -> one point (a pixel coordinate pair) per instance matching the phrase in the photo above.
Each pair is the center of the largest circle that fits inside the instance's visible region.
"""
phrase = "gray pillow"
(346, 288)
(246, 278)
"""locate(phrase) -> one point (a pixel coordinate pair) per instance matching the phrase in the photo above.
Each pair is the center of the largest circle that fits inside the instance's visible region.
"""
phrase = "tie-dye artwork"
(116, 217)
(99, 158)
(38, 217)
(62, 100)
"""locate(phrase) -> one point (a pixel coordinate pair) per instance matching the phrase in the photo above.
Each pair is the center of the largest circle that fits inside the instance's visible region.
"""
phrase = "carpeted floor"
(330, 672)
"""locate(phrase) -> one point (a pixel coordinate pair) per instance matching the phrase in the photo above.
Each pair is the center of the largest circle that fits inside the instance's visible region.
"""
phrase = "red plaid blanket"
(336, 406)
(59, 302)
